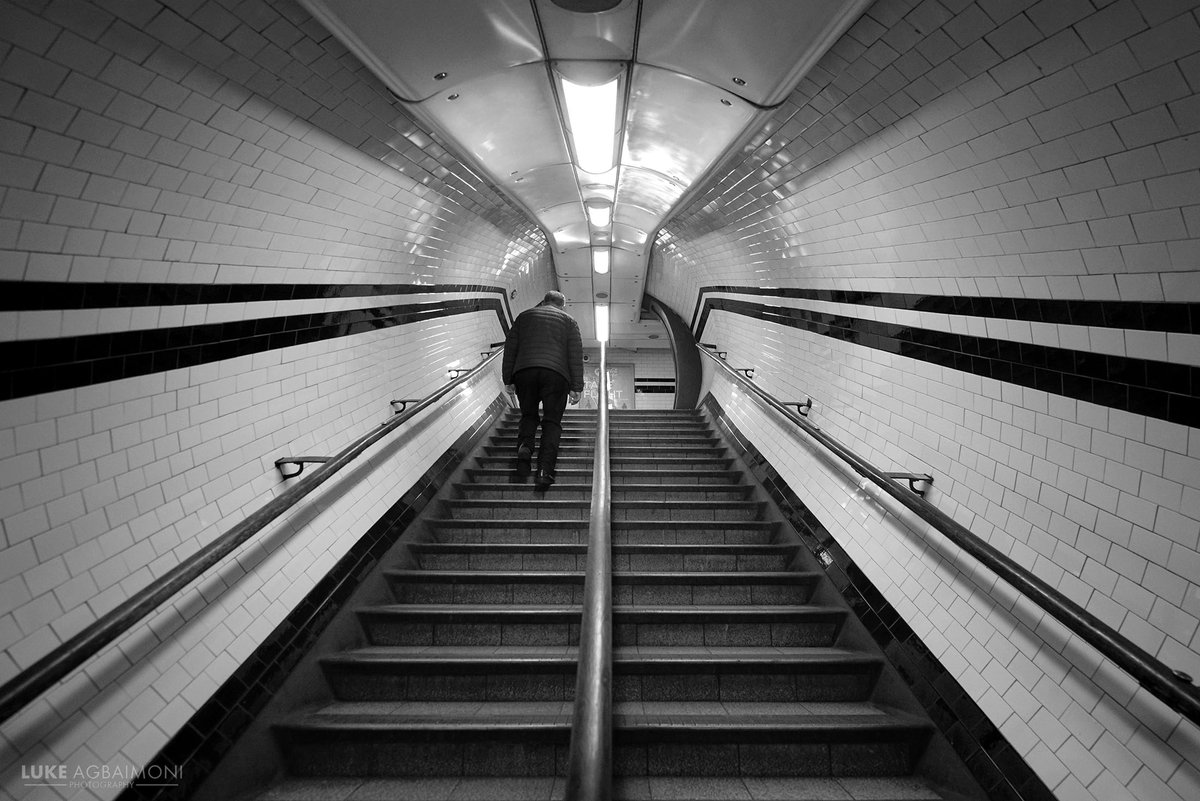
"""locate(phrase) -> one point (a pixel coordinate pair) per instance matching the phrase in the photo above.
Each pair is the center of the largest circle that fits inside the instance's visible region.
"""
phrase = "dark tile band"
(31, 367)
(1156, 389)
(65, 295)
(1178, 318)
(996, 765)
(214, 728)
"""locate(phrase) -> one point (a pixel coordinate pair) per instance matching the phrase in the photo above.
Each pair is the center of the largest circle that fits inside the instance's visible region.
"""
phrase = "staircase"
(732, 677)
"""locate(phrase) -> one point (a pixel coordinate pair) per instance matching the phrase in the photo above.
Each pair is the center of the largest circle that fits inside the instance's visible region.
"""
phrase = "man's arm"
(512, 343)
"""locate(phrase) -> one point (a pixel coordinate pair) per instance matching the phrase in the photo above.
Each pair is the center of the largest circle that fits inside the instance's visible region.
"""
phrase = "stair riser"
(725, 635)
(572, 594)
(765, 686)
(566, 492)
(378, 686)
(700, 685)
(568, 449)
(620, 562)
(648, 512)
(362, 755)
(503, 561)
(466, 633)
(624, 533)
(713, 461)
(534, 509)
(573, 533)
(672, 758)
(629, 533)
(553, 508)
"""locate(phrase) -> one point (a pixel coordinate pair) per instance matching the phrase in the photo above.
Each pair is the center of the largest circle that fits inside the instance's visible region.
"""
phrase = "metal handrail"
(1172, 687)
(40, 676)
(589, 769)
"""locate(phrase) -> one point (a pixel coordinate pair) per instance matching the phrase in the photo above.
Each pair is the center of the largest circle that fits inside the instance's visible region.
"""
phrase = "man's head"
(556, 299)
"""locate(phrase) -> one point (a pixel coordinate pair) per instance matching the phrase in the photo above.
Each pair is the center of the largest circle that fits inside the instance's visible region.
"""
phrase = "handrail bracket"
(912, 479)
(298, 462)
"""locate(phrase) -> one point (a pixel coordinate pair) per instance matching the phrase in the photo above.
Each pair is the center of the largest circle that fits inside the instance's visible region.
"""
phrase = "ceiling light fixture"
(591, 110)
(602, 322)
(600, 260)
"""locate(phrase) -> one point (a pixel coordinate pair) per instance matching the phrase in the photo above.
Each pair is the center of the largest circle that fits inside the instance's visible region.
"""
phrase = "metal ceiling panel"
(407, 44)
(544, 188)
(625, 290)
(627, 238)
(678, 125)
(757, 49)
(508, 138)
(576, 263)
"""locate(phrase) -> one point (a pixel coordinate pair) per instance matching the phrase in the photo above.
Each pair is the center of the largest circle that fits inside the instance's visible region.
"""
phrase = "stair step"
(561, 587)
(546, 504)
(628, 475)
(743, 674)
(575, 530)
(726, 626)
(431, 739)
(643, 674)
(625, 439)
(713, 460)
(571, 487)
(765, 739)
(650, 454)
(625, 788)
(573, 556)
(471, 624)
(425, 674)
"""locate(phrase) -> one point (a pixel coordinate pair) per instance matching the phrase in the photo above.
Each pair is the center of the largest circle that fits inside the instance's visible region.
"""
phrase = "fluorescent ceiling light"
(602, 322)
(600, 215)
(600, 260)
(592, 120)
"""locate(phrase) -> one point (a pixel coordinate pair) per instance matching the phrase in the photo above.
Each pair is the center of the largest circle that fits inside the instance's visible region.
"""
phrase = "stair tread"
(565, 547)
(629, 656)
(533, 610)
(629, 576)
(625, 788)
(749, 716)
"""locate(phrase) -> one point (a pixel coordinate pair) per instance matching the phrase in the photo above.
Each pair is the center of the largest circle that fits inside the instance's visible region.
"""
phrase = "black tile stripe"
(48, 295)
(995, 764)
(1156, 389)
(214, 728)
(653, 385)
(1178, 318)
(31, 367)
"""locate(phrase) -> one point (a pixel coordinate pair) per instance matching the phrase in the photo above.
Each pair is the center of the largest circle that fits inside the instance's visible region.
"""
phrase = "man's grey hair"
(554, 298)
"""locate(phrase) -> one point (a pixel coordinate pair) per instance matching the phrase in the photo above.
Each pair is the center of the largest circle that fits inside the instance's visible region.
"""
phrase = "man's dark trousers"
(538, 385)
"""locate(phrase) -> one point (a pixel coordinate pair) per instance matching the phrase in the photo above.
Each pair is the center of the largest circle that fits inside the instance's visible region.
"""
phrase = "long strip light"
(601, 257)
(592, 119)
(602, 322)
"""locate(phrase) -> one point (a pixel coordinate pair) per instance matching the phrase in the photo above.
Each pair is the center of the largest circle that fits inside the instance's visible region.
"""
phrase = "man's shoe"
(544, 479)
(524, 459)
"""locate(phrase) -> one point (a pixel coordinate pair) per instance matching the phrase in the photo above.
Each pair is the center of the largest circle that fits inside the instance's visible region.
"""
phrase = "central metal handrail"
(1172, 687)
(589, 769)
(40, 676)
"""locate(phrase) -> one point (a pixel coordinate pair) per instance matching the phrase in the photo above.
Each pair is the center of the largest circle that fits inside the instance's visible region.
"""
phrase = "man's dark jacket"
(545, 336)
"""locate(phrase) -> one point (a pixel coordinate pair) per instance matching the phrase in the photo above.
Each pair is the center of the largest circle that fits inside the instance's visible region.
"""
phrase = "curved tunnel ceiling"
(697, 75)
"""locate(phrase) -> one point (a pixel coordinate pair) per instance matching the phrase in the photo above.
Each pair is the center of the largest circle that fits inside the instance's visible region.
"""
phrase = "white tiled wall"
(136, 146)
(1025, 150)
